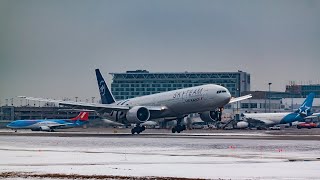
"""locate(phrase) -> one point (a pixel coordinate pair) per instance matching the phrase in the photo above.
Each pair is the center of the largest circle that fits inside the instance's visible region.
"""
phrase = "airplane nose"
(228, 95)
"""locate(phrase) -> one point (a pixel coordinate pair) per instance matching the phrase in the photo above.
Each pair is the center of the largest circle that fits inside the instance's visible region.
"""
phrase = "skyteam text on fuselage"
(50, 124)
(172, 105)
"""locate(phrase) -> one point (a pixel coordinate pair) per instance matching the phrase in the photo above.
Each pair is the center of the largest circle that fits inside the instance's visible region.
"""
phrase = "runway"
(285, 134)
(187, 155)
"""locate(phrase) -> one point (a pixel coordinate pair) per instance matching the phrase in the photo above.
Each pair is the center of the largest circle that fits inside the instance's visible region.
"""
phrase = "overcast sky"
(50, 48)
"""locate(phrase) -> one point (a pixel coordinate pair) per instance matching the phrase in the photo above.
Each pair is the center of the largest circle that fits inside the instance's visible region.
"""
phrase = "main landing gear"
(179, 128)
(138, 129)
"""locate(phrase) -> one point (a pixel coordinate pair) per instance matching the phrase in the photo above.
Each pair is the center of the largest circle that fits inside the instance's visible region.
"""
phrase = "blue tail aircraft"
(269, 119)
(50, 124)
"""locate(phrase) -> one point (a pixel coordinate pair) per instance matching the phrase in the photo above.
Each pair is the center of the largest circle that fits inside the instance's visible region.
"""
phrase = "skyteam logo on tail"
(106, 96)
(102, 88)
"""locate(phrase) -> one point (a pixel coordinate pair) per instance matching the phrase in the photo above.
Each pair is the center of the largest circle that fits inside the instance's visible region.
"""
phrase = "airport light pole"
(237, 114)
(269, 96)
(291, 102)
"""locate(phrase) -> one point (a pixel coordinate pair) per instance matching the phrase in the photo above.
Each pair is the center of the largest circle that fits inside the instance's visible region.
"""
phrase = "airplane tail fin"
(305, 108)
(105, 93)
(83, 116)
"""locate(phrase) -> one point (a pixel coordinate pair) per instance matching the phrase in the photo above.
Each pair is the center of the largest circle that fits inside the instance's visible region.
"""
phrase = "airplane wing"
(55, 125)
(314, 115)
(47, 125)
(232, 100)
(91, 106)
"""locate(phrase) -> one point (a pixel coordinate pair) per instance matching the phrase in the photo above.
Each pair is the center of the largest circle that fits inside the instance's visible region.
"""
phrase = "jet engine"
(242, 125)
(44, 128)
(209, 116)
(35, 129)
(138, 114)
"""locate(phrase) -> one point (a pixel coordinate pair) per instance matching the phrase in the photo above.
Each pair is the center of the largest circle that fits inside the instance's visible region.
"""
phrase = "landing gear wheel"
(173, 130)
(179, 128)
(138, 129)
(184, 127)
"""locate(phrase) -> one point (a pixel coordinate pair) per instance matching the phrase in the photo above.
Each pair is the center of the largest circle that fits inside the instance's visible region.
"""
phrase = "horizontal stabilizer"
(93, 106)
(112, 123)
(83, 105)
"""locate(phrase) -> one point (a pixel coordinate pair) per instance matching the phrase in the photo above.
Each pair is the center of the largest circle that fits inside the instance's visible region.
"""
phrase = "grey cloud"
(50, 48)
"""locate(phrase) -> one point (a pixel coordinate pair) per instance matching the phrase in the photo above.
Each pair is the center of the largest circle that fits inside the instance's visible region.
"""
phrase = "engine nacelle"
(35, 129)
(242, 125)
(44, 128)
(138, 114)
(209, 116)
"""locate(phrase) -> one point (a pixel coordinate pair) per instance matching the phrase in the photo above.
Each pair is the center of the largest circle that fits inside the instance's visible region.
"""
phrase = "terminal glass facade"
(307, 89)
(141, 82)
(304, 90)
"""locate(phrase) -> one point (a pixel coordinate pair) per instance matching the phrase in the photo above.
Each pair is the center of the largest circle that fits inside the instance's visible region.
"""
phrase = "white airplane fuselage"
(178, 103)
(268, 118)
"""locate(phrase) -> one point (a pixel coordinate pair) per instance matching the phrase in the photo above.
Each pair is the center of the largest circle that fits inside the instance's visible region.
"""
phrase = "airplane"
(50, 124)
(263, 120)
(170, 105)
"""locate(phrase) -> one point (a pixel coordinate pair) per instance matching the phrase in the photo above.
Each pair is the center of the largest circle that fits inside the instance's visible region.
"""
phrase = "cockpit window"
(222, 91)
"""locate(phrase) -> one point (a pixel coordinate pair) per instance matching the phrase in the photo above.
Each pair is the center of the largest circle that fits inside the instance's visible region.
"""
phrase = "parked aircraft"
(171, 105)
(50, 124)
(271, 119)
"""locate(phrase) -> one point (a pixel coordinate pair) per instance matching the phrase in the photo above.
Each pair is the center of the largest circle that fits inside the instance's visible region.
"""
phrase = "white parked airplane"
(271, 119)
(171, 105)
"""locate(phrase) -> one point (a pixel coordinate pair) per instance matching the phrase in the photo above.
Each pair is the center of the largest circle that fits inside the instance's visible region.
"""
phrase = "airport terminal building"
(303, 90)
(142, 82)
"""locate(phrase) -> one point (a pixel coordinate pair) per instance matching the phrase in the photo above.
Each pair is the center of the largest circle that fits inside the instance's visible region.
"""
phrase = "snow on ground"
(169, 157)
